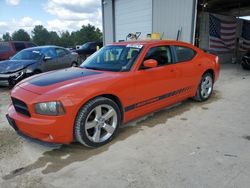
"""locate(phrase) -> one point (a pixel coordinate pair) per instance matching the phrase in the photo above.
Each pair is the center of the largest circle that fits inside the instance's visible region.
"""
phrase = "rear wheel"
(205, 88)
(245, 65)
(97, 122)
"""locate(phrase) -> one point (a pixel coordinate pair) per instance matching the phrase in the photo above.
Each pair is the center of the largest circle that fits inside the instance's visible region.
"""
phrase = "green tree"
(40, 35)
(6, 36)
(54, 39)
(88, 33)
(66, 40)
(20, 35)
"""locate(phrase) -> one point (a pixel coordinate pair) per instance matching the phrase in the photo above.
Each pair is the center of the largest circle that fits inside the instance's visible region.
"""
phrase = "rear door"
(186, 68)
(64, 58)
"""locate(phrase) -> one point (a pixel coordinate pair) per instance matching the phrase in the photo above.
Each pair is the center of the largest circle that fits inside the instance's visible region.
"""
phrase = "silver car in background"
(35, 60)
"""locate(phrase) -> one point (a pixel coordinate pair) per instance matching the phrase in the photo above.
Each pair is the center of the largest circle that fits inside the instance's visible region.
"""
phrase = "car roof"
(17, 41)
(159, 42)
(150, 41)
(44, 47)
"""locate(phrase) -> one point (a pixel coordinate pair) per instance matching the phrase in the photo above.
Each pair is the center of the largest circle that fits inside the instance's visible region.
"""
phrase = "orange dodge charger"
(117, 84)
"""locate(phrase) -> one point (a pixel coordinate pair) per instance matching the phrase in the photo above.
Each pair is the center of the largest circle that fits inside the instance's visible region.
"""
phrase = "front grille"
(20, 107)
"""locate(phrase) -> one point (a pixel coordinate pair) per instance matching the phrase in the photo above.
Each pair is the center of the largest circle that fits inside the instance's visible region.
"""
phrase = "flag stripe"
(222, 34)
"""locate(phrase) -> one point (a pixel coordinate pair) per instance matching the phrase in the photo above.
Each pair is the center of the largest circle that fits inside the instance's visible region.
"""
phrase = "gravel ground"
(189, 145)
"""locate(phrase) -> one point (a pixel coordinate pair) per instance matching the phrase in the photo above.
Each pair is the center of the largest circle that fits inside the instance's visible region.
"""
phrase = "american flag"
(222, 34)
(245, 34)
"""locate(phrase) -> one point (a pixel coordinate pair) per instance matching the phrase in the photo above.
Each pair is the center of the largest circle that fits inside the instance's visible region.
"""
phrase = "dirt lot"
(190, 145)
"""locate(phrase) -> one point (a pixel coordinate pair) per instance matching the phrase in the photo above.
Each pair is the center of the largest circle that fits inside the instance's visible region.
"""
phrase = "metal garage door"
(132, 16)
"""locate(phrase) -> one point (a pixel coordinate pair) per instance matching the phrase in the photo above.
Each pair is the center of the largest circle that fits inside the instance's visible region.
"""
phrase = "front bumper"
(51, 129)
(16, 77)
(46, 130)
(14, 126)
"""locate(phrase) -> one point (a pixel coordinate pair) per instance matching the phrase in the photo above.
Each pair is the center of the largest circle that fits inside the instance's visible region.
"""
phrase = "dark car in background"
(245, 63)
(87, 49)
(10, 48)
(35, 60)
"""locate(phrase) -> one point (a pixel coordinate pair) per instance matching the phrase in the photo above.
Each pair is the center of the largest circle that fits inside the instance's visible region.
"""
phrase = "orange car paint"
(139, 92)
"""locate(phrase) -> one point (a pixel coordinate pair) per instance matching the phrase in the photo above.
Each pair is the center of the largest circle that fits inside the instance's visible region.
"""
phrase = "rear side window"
(61, 52)
(184, 53)
(5, 47)
(19, 46)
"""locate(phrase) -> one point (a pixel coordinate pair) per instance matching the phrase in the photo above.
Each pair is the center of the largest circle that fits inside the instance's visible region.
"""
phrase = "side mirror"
(46, 58)
(150, 63)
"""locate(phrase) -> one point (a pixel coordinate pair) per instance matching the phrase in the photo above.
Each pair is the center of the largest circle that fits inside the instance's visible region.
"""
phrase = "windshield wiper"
(93, 68)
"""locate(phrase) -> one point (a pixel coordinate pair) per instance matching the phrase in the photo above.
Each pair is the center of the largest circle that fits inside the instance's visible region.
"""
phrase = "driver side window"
(162, 54)
(50, 53)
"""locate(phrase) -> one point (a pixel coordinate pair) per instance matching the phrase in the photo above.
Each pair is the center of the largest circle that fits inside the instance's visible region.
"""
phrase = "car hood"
(11, 66)
(65, 79)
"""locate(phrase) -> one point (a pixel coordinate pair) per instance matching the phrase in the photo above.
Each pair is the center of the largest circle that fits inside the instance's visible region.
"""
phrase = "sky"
(55, 15)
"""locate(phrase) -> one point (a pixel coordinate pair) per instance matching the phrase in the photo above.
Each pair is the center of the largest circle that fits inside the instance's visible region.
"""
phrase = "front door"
(155, 86)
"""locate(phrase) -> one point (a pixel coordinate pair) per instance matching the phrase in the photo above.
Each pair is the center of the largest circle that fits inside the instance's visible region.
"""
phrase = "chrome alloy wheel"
(206, 86)
(101, 123)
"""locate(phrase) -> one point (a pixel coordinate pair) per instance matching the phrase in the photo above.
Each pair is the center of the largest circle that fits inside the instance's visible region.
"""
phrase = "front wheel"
(245, 65)
(74, 64)
(205, 88)
(97, 122)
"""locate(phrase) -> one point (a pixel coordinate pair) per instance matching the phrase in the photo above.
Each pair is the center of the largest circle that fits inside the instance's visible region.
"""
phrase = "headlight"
(29, 70)
(50, 108)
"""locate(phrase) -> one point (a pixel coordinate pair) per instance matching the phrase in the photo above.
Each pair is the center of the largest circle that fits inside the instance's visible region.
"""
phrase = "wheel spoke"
(96, 136)
(109, 114)
(209, 85)
(203, 92)
(98, 111)
(109, 128)
(101, 123)
(90, 125)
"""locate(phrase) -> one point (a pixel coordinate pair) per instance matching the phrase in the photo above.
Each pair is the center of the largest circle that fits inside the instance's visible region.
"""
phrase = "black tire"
(85, 112)
(199, 96)
(12, 83)
(74, 64)
(245, 65)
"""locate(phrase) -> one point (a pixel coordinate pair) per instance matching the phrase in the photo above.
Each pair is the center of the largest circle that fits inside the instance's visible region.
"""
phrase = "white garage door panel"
(132, 16)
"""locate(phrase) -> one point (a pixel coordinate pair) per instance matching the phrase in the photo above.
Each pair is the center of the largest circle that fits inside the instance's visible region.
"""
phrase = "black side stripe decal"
(155, 99)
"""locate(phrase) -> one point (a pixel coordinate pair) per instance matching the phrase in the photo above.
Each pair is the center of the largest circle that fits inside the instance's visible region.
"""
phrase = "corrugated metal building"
(121, 17)
(189, 18)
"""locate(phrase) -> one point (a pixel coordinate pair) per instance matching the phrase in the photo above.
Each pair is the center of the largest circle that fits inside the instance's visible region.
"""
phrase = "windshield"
(30, 54)
(113, 58)
(85, 46)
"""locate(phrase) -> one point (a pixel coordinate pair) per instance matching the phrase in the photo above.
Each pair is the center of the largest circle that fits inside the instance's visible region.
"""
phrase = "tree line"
(41, 36)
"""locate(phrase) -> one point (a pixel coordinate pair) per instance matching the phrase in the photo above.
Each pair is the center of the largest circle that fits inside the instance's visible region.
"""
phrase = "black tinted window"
(30, 44)
(19, 46)
(184, 53)
(93, 46)
(161, 54)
